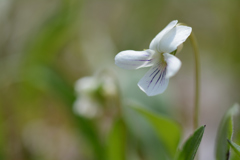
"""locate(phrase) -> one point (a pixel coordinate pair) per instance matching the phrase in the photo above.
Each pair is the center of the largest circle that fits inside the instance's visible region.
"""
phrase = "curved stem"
(197, 80)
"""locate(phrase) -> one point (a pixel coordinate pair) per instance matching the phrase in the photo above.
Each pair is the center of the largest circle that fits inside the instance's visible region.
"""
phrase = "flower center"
(162, 58)
(174, 52)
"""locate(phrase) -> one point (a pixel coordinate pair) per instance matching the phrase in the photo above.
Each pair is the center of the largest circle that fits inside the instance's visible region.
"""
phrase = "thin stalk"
(197, 80)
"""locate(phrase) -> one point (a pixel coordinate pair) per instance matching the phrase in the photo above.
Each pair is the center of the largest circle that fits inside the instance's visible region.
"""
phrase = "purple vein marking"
(157, 68)
(153, 72)
(146, 55)
(161, 75)
(140, 60)
(130, 64)
(153, 78)
(163, 79)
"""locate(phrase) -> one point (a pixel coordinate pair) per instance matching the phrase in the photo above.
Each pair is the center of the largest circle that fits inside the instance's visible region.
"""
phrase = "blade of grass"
(168, 131)
(235, 147)
(116, 141)
(225, 131)
(191, 145)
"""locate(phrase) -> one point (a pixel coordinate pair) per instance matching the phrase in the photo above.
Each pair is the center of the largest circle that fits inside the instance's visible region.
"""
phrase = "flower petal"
(134, 59)
(87, 107)
(176, 36)
(154, 81)
(155, 42)
(86, 85)
(173, 64)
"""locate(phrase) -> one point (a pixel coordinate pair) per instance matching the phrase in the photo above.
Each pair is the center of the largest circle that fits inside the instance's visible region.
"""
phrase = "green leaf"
(116, 141)
(87, 129)
(168, 131)
(191, 146)
(235, 147)
(225, 131)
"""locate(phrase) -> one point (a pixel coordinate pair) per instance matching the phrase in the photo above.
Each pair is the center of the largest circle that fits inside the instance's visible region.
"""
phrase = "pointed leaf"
(88, 130)
(116, 141)
(235, 147)
(191, 146)
(168, 131)
(225, 131)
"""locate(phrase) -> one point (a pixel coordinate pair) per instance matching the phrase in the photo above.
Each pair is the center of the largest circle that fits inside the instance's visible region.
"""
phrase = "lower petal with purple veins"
(154, 81)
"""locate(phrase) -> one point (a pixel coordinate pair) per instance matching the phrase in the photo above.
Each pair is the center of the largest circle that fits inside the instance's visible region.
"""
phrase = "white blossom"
(90, 92)
(160, 55)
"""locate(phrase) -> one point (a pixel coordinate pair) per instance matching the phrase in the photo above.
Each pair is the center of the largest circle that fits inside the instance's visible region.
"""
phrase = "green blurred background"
(47, 45)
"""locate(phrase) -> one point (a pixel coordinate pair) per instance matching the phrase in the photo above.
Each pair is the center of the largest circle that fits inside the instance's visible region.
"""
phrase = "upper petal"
(173, 64)
(154, 81)
(172, 39)
(154, 43)
(134, 59)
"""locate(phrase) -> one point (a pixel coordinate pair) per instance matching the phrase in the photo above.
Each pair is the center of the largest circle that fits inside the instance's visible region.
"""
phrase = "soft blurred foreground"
(62, 97)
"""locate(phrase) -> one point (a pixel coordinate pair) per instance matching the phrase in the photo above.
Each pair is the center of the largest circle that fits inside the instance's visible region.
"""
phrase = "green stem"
(197, 80)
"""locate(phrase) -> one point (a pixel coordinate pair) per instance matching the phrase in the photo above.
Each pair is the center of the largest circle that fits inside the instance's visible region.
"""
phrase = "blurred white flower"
(91, 92)
(109, 86)
(160, 55)
(86, 85)
(86, 107)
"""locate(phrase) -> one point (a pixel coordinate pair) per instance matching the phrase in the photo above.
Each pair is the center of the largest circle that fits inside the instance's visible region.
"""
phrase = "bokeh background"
(47, 45)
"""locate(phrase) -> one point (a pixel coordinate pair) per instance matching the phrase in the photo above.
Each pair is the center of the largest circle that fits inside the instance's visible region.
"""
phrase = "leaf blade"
(235, 147)
(168, 131)
(116, 141)
(191, 145)
(225, 132)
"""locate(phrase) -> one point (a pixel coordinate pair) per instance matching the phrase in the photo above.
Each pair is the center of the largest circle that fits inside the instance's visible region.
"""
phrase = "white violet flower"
(160, 55)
